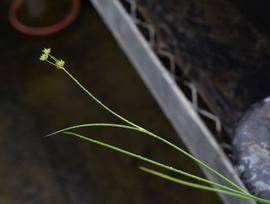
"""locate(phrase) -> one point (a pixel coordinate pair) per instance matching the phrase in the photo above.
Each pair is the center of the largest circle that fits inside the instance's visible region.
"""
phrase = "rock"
(251, 148)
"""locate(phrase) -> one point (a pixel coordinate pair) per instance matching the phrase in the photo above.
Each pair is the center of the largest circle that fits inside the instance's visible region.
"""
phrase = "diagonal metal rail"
(183, 112)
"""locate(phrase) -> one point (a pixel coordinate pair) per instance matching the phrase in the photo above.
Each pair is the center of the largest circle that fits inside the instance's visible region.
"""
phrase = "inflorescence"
(46, 56)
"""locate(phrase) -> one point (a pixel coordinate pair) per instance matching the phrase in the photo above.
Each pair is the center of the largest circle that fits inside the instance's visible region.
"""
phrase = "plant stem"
(203, 187)
(196, 160)
(99, 102)
(143, 131)
(140, 157)
(154, 135)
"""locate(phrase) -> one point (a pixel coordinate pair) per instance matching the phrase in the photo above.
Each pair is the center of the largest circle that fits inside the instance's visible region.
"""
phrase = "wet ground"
(36, 99)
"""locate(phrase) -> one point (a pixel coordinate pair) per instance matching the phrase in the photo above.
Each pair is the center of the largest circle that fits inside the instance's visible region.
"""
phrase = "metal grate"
(164, 53)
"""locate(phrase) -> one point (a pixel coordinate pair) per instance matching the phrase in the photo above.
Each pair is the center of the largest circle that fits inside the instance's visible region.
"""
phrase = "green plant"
(232, 189)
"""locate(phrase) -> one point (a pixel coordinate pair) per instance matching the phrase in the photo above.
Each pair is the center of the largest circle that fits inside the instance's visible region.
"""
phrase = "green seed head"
(45, 54)
(60, 64)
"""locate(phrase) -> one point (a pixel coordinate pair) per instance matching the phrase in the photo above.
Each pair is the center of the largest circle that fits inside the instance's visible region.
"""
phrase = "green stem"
(99, 102)
(52, 63)
(135, 129)
(114, 125)
(140, 157)
(203, 187)
(54, 58)
(196, 160)
(154, 135)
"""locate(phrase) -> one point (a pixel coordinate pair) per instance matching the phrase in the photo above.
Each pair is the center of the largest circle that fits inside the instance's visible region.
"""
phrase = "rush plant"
(231, 189)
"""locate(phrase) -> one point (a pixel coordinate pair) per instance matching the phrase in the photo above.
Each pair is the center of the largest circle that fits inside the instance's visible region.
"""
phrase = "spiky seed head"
(46, 51)
(43, 57)
(60, 64)
(45, 54)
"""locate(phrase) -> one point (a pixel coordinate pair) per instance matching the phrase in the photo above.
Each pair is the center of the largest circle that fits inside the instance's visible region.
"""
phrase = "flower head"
(60, 64)
(45, 54)
(46, 51)
(43, 57)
